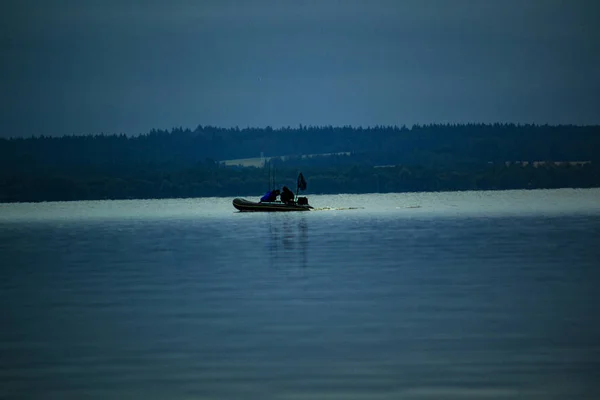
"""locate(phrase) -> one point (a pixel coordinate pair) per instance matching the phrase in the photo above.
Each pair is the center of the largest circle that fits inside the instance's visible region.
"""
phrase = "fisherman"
(287, 196)
(270, 196)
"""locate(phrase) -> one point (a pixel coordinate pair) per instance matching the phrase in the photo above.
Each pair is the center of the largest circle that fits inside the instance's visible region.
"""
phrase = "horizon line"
(301, 126)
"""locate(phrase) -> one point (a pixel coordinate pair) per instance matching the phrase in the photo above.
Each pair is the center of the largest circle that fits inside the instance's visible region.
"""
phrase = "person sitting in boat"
(287, 196)
(270, 196)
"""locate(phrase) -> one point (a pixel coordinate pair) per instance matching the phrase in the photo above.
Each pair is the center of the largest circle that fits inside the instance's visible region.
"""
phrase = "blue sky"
(85, 67)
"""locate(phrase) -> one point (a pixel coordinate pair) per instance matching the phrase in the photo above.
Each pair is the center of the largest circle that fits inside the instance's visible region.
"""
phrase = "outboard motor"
(303, 201)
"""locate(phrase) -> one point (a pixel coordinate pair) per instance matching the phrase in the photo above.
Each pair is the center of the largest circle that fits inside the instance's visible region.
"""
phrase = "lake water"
(473, 295)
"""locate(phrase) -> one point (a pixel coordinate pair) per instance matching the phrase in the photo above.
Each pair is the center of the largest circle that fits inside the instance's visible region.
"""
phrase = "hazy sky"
(77, 66)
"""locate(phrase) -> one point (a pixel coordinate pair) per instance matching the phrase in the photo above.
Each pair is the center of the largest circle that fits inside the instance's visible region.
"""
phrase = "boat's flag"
(301, 182)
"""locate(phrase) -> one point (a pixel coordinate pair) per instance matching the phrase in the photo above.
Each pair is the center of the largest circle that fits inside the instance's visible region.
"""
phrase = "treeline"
(184, 162)
(420, 144)
(209, 180)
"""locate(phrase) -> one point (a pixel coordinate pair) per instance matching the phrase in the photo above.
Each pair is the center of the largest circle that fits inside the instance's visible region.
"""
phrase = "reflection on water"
(288, 239)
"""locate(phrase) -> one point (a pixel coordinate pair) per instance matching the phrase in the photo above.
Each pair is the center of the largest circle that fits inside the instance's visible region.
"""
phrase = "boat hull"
(277, 206)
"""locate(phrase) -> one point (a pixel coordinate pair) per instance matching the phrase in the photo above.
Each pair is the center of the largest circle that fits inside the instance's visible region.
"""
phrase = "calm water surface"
(483, 295)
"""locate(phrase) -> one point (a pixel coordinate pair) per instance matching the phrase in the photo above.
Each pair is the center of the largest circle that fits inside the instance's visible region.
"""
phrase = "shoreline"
(257, 196)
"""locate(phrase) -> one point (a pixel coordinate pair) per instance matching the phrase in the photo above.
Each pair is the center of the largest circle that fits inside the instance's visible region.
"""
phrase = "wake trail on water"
(336, 208)
(355, 208)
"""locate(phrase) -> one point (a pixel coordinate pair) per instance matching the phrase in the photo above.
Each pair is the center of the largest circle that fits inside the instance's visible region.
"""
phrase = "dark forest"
(187, 163)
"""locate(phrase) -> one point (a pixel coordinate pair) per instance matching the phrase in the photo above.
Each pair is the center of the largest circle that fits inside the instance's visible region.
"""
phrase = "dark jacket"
(287, 195)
